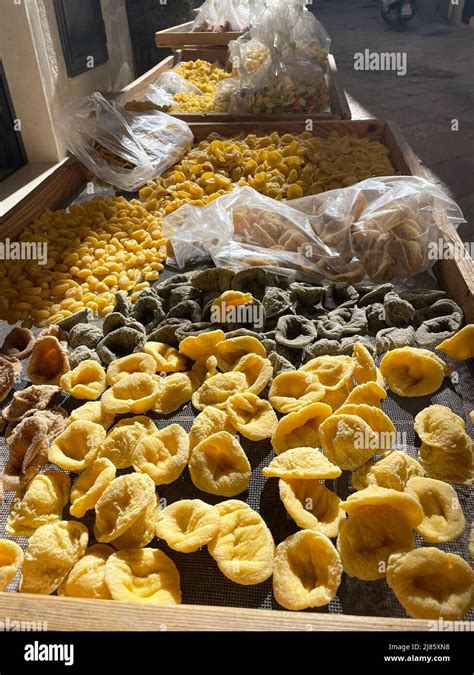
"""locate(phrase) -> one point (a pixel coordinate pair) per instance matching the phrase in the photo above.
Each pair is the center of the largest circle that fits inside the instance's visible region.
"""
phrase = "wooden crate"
(182, 36)
(338, 102)
(61, 613)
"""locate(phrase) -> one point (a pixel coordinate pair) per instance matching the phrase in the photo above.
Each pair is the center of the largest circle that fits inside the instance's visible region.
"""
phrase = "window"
(12, 152)
(82, 32)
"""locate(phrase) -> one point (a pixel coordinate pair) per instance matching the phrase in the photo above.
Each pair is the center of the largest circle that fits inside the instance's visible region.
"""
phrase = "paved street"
(438, 86)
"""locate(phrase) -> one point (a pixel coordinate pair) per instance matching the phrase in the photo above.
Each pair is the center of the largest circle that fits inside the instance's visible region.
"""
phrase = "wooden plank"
(57, 191)
(138, 86)
(362, 128)
(455, 275)
(212, 54)
(403, 157)
(71, 614)
(337, 95)
(181, 35)
(338, 101)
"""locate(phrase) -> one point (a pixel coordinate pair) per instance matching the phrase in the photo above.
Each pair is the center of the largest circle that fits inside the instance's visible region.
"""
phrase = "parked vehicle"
(398, 12)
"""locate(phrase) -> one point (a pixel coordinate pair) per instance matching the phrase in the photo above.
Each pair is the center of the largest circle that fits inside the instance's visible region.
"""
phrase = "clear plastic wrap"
(222, 16)
(291, 79)
(379, 230)
(122, 148)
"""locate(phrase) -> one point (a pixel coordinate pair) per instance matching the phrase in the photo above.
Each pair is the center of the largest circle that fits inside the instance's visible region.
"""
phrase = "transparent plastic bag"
(293, 84)
(247, 55)
(379, 230)
(122, 148)
(292, 78)
(222, 16)
(227, 97)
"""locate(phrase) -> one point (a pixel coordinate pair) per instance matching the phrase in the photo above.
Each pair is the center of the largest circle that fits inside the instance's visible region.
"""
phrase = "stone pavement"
(437, 88)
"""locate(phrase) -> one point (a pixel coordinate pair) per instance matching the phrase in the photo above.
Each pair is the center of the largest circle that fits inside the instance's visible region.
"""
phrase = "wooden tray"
(455, 276)
(181, 35)
(338, 102)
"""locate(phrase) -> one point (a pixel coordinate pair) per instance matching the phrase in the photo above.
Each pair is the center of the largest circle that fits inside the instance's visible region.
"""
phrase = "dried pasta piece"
(87, 381)
(8, 372)
(367, 540)
(52, 552)
(347, 440)
(312, 506)
(48, 362)
(217, 389)
(136, 393)
(307, 571)
(162, 454)
(431, 584)
(377, 420)
(92, 411)
(393, 470)
(365, 369)
(27, 401)
(11, 560)
(292, 391)
(412, 372)
(142, 530)
(90, 486)
(438, 426)
(460, 346)
(43, 502)
(330, 370)
(219, 465)
(252, 416)
(87, 577)
(208, 422)
(175, 390)
(122, 439)
(302, 464)
(201, 346)
(188, 524)
(373, 496)
(451, 466)
(145, 576)
(121, 504)
(443, 516)
(243, 547)
(133, 363)
(77, 446)
(201, 371)
(167, 359)
(257, 370)
(370, 393)
(28, 447)
(300, 428)
(229, 352)
(18, 343)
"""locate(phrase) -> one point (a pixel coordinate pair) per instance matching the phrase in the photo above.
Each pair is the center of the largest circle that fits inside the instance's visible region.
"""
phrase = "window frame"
(14, 147)
(77, 65)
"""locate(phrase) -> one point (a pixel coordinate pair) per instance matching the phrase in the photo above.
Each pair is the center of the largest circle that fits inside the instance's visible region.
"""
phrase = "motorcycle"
(398, 12)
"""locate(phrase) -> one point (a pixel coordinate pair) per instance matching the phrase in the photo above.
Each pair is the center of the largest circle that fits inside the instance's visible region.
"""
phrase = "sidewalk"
(438, 87)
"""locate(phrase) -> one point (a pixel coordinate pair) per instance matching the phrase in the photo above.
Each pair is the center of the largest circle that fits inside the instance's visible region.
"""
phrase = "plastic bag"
(227, 96)
(379, 230)
(221, 16)
(292, 78)
(124, 149)
(247, 55)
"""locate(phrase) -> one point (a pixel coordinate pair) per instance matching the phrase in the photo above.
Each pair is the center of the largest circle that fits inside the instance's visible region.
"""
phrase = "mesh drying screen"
(202, 583)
